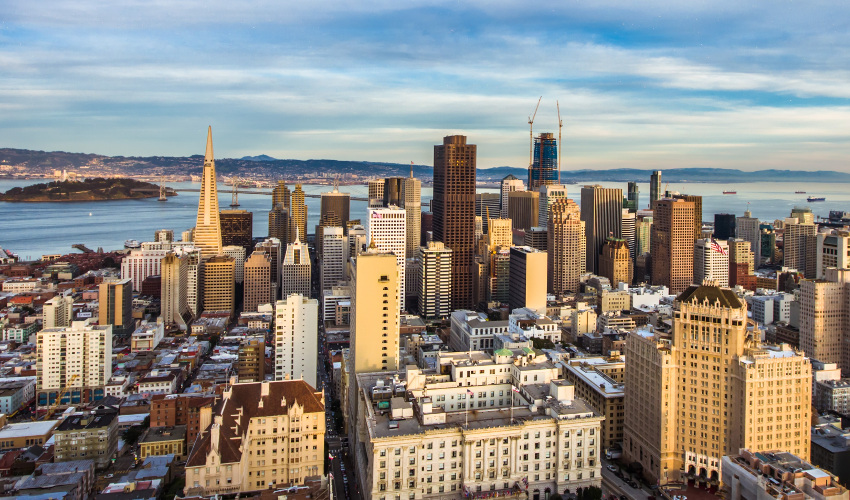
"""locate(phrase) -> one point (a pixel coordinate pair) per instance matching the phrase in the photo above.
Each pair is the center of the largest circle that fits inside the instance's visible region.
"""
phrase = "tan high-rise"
(298, 213)
(615, 262)
(565, 247)
(219, 284)
(711, 389)
(524, 209)
(797, 235)
(174, 289)
(375, 312)
(672, 244)
(825, 318)
(258, 286)
(411, 196)
(527, 279)
(602, 213)
(207, 225)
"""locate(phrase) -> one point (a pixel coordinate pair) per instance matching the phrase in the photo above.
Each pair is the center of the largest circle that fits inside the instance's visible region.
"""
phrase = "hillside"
(94, 189)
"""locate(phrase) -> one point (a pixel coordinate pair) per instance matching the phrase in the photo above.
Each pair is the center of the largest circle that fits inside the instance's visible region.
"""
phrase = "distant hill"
(91, 189)
(23, 161)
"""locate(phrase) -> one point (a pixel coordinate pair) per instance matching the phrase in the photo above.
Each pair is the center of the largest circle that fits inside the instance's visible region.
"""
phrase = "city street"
(613, 485)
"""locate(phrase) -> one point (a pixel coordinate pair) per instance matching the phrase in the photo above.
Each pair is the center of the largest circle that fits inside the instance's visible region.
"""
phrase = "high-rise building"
(565, 248)
(832, 250)
(672, 244)
(280, 223)
(334, 257)
(207, 226)
(544, 168)
(804, 215)
(435, 281)
(375, 313)
(527, 279)
(115, 306)
(376, 193)
(274, 248)
(258, 286)
(337, 203)
(537, 237)
(174, 292)
(296, 338)
(499, 284)
(163, 235)
(632, 200)
(194, 281)
(655, 192)
(508, 185)
(737, 381)
(251, 360)
(711, 261)
(524, 209)
(387, 231)
(58, 311)
(796, 244)
(697, 201)
(296, 270)
(549, 195)
(219, 284)
(499, 234)
(747, 228)
(628, 231)
(643, 230)
(825, 318)
(453, 206)
(237, 228)
(615, 262)
(298, 214)
(741, 263)
(602, 213)
(237, 253)
(486, 206)
(281, 196)
(411, 197)
(358, 240)
(73, 362)
(724, 226)
(392, 191)
(143, 262)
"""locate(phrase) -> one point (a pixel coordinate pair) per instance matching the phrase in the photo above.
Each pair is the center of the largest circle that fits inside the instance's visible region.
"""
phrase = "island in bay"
(94, 189)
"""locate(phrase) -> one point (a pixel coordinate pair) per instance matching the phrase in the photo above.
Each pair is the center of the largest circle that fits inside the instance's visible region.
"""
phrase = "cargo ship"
(815, 198)
(730, 192)
(799, 192)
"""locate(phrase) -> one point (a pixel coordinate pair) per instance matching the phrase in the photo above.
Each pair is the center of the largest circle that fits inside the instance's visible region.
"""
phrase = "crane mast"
(531, 140)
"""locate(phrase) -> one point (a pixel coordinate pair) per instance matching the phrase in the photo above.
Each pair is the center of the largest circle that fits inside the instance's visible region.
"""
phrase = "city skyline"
(720, 85)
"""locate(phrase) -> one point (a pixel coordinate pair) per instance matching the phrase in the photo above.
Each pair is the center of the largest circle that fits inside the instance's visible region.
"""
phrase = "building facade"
(566, 248)
(602, 212)
(672, 244)
(296, 339)
(435, 281)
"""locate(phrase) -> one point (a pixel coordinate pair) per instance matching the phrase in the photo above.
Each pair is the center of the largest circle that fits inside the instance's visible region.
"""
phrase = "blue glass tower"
(544, 170)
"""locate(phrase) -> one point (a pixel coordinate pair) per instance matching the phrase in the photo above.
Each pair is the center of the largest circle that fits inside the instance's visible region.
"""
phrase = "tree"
(542, 343)
(592, 493)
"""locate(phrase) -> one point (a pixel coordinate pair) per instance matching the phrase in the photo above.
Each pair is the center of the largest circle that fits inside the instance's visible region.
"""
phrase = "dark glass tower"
(544, 170)
(632, 201)
(724, 226)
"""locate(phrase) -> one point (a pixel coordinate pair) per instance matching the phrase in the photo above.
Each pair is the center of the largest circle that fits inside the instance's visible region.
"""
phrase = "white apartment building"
(435, 281)
(334, 256)
(711, 261)
(333, 297)
(548, 195)
(533, 325)
(471, 331)
(296, 338)
(58, 311)
(237, 253)
(144, 262)
(388, 231)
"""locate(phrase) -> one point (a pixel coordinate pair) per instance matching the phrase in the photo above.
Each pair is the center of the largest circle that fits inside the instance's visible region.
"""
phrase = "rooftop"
(26, 429)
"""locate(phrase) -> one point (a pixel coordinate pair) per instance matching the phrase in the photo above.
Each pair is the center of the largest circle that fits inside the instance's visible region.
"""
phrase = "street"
(613, 485)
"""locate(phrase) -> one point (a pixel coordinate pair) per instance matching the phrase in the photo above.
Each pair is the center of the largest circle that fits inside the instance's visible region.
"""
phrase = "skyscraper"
(711, 261)
(632, 201)
(796, 243)
(296, 339)
(672, 244)
(825, 318)
(376, 193)
(507, 186)
(375, 313)
(280, 195)
(194, 281)
(298, 214)
(747, 228)
(566, 247)
(655, 192)
(549, 195)
(615, 262)
(527, 286)
(435, 281)
(334, 256)
(207, 224)
(258, 286)
(115, 306)
(336, 203)
(486, 205)
(387, 231)
(174, 305)
(280, 224)
(602, 213)
(411, 196)
(295, 270)
(237, 228)
(524, 209)
(697, 201)
(454, 211)
(499, 234)
(628, 231)
(544, 169)
(219, 284)
(237, 253)
(724, 226)
(643, 229)
(58, 311)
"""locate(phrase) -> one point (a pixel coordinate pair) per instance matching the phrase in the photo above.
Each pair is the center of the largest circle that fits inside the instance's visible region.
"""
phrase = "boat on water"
(799, 192)
(132, 244)
(730, 192)
(815, 198)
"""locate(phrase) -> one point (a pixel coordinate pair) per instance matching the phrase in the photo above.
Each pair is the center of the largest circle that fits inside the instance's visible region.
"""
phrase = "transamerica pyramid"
(207, 226)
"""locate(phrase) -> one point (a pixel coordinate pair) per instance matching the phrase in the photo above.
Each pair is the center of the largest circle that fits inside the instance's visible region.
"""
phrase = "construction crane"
(52, 409)
(531, 141)
(560, 145)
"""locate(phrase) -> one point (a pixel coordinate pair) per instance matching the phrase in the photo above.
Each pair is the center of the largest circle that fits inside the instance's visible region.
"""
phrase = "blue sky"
(652, 84)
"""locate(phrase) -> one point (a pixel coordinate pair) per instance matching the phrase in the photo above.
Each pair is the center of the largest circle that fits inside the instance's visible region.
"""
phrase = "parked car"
(612, 468)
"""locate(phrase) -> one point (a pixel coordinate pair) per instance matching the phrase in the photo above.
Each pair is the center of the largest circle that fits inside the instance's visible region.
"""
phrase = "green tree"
(592, 493)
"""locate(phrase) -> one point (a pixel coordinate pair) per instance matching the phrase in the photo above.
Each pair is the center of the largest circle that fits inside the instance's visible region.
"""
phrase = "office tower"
(251, 361)
(143, 262)
(632, 199)
(280, 224)
(711, 261)
(537, 237)
(219, 285)
(832, 249)
(281, 196)
(565, 248)
(672, 244)
(499, 234)
(358, 240)
(76, 359)
(796, 243)
(486, 206)
(643, 230)
(544, 169)
(207, 235)
(615, 262)
(387, 231)
(710, 389)
(549, 195)
(392, 191)
(767, 237)
(376, 193)
(274, 248)
(523, 209)
(747, 228)
(237, 253)
(336, 203)
(327, 220)
(411, 197)
(427, 227)
(237, 228)
(188, 235)
(499, 284)
(258, 288)
(724, 226)
(825, 318)
(194, 281)
(174, 304)
(479, 229)
(602, 213)
(223, 460)
(296, 270)
(803, 215)
(454, 211)
(334, 257)
(435, 281)
(58, 311)
(508, 185)
(375, 313)
(655, 192)
(697, 222)
(628, 228)
(296, 339)
(163, 235)
(115, 306)
(741, 264)
(298, 215)
(527, 279)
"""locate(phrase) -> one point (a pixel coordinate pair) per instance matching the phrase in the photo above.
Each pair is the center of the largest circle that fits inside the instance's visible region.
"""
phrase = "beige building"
(672, 244)
(599, 381)
(711, 262)
(566, 252)
(298, 213)
(258, 287)
(296, 338)
(615, 262)
(219, 284)
(772, 474)
(164, 441)
(710, 390)
(174, 289)
(295, 270)
(91, 434)
(523, 209)
(824, 316)
(263, 435)
(435, 280)
(798, 238)
(375, 313)
(207, 226)
(58, 311)
(527, 279)
(499, 234)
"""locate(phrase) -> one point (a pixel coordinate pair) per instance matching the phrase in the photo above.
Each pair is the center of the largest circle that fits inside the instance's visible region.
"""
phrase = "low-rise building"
(159, 382)
(471, 331)
(831, 447)
(71, 480)
(164, 441)
(89, 434)
(16, 392)
(25, 434)
(833, 395)
(770, 475)
(147, 336)
(602, 392)
(194, 411)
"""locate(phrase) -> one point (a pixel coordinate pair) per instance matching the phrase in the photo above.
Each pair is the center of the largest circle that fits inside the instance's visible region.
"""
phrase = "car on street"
(612, 468)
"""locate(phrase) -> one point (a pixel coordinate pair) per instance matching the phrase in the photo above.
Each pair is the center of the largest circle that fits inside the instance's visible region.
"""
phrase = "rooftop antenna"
(560, 144)
(411, 169)
(531, 140)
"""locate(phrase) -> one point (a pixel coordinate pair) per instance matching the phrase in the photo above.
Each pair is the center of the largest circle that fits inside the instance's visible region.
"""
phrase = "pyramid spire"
(208, 157)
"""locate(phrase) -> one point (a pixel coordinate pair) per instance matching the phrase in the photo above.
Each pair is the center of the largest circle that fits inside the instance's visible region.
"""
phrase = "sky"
(650, 84)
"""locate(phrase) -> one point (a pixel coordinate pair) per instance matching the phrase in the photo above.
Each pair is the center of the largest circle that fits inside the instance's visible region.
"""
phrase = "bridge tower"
(234, 202)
